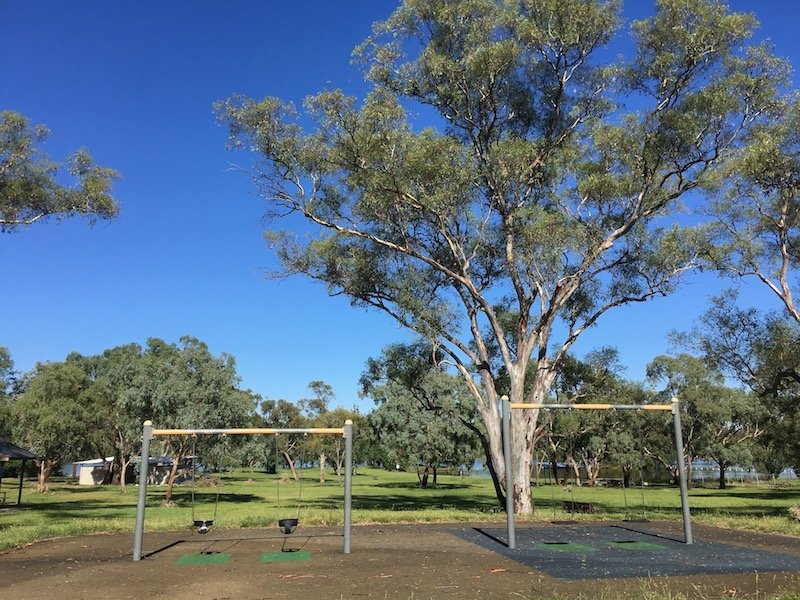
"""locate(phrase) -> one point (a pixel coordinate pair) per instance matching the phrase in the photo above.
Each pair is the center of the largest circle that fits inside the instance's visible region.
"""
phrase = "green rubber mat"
(566, 547)
(216, 558)
(275, 557)
(633, 545)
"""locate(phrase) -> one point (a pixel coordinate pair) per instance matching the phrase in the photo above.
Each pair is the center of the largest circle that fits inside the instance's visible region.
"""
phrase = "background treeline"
(423, 419)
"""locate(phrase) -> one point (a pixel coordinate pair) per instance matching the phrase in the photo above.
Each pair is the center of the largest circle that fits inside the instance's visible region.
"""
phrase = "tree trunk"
(576, 470)
(722, 468)
(626, 476)
(322, 460)
(123, 473)
(290, 462)
(173, 475)
(592, 466)
(423, 479)
(435, 479)
(42, 478)
(523, 434)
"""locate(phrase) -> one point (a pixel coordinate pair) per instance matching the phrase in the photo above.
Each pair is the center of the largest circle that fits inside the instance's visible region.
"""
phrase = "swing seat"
(203, 526)
(287, 526)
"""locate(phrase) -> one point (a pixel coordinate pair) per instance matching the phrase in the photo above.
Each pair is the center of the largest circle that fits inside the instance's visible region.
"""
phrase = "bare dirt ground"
(388, 561)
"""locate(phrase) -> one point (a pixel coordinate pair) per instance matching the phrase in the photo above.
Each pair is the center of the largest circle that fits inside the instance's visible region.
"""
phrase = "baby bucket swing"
(203, 526)
(287, 526)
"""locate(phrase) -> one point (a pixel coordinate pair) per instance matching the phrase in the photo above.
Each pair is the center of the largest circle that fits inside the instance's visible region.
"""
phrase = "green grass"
(256, 500)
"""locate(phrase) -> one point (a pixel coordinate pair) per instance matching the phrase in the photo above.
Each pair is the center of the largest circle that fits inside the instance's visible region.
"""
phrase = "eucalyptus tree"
(757, 218)
(533, 201)
(115, 375)
(425, 416)
(31, 185)
(283, 414)
(7, 383)
(761, 351)
(184, 386)
(415, 435)
(56, 416)
(719, 422)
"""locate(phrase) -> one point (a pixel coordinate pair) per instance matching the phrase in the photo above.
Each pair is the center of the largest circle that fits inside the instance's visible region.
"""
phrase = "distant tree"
(763, 352)
(331, 447)
(31, 185)
(184, 386)
(719, 422)
(315, 410)
(114, 376)
(424, 415)
(56, 416)
(588, 438)
(540, 197)
(7, 384)
(282, 414)
(318, 414)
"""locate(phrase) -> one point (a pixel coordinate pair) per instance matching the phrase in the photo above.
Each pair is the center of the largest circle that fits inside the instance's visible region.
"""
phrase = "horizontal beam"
(251, 431)
(664, 407)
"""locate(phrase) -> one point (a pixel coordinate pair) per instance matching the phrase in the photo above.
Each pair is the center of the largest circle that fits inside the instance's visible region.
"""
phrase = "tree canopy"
(32, 187)
(544, 191)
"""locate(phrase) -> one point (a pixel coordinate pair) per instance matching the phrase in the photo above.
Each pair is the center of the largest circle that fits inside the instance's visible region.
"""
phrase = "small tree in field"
(534, 201)
(424, 417)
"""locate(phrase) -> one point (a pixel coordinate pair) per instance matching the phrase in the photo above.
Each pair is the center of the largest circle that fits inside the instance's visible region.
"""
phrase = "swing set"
(286, 525)
(674, 408)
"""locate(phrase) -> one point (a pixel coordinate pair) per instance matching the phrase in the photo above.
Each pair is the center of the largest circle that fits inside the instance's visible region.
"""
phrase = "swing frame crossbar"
(673, 407)
(250, 431)
(149, 432)
(656, 407)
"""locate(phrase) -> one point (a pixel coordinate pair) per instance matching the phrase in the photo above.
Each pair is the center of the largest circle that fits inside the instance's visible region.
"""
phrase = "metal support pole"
(687, 517)
(19, 491)
(147, 435)
(512, 541)
(348, 482)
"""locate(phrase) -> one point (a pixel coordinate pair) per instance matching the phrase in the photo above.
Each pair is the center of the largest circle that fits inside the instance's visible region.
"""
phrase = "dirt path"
(412, 561)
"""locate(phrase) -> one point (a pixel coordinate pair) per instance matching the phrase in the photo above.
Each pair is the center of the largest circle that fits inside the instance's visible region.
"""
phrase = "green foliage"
(30, 187)
(761, 351)
(718, 422)
(7, 381)
(57, 416)
(424, 416)
(96, 404)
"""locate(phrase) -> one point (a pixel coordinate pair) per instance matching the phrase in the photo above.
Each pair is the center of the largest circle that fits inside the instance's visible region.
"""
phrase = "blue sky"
(134, 82)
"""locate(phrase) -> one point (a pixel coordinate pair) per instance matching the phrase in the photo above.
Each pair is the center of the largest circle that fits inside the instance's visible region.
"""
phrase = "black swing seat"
(287, 526)
(203, 526)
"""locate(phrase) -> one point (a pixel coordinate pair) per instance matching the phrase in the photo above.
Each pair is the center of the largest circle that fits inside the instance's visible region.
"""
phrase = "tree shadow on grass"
(438, 502)
(782, 494)
(403, 485)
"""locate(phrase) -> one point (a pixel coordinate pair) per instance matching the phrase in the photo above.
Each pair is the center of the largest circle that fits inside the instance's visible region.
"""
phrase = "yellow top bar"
(250, 431)
(594, 406)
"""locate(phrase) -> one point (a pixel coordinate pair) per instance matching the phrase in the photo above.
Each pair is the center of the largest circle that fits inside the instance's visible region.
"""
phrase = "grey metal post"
(348, 482)
(687, 517)
(512, 541)
(138, 534)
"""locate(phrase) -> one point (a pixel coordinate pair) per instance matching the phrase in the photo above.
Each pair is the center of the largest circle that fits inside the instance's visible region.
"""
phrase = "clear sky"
(134, 82)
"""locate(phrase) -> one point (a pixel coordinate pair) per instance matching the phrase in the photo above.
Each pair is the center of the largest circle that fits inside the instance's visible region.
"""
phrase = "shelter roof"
(14, 452)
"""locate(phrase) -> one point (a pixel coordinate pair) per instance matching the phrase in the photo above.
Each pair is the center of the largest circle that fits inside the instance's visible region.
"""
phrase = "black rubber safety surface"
(601, 552)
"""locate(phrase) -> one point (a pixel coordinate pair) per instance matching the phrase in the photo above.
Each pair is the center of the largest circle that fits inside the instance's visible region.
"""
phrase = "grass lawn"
(257, 500)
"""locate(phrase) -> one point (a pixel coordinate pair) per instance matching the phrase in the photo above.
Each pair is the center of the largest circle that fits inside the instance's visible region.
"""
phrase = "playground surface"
(407, 561)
